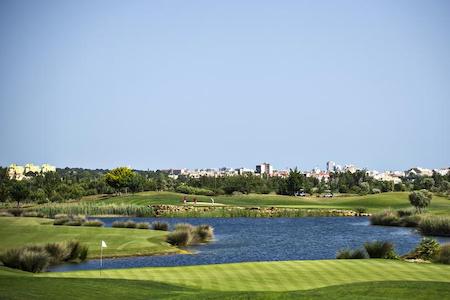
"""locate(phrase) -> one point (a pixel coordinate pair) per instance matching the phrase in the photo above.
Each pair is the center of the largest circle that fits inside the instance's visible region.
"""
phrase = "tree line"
(74, 183)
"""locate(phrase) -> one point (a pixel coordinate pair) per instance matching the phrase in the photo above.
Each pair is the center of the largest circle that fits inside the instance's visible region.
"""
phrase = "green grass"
(276, 276)
(328, 279)
(16, 232)
(373, 203)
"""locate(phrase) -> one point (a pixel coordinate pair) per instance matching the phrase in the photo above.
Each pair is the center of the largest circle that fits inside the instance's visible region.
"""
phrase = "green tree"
(420, 199)
(294, 182)
(119, 178)
(19, 191)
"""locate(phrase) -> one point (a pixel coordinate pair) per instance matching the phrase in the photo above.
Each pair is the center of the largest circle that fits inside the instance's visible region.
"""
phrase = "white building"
(331, 165)
(264, 168)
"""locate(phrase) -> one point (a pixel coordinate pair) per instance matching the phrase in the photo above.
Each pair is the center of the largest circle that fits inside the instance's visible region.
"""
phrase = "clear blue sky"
(160, 84)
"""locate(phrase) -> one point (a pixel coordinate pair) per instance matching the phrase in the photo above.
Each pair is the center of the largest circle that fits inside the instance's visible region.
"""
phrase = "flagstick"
(101, 259)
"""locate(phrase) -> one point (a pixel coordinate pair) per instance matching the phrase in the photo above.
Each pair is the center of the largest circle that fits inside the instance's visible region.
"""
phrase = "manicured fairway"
(276, 276)
(16, 232)
(375, 202)
(330, 279)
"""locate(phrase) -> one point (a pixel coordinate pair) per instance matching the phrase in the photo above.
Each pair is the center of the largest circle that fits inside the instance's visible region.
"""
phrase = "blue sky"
(160, 84)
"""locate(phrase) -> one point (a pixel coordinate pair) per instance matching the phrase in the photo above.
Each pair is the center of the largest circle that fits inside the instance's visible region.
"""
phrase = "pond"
(266, 239)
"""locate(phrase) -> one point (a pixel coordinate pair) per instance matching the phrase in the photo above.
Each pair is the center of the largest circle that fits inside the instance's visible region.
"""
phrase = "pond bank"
(255, 212)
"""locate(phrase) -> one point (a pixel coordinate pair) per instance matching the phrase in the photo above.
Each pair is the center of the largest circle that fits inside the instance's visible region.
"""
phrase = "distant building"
(264, 168)
(18, 172)
(243, 171)
(331, 165)
(417, 171)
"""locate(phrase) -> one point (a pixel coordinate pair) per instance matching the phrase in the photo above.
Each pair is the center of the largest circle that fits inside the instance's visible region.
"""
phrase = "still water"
(266, 239)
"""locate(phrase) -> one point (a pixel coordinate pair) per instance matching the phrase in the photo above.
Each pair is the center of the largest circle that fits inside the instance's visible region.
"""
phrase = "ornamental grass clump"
(69, 220)
(160, 226)
(443, 255)
(386, 218)
(351, 254)
(203, 233)
(185, 234)
(143, 225)
(36, 258)
(124, 224)
(181, 237)
(380, 249)
(6, 214)
(94, 223)
(32, 214)
(57, 251)
(434, 225)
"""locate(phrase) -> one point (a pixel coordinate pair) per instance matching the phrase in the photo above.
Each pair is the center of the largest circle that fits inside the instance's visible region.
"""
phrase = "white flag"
(104, 244)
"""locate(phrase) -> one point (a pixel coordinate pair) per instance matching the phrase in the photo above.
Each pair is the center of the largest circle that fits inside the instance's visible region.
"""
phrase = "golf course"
(327, 279)
(373, 202)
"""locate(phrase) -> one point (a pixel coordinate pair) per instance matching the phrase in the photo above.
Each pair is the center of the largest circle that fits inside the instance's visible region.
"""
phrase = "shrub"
(443, 256)
(427, 249)
(34, 261)
(160, 226)
(11, 258)
(379, 249)
(386, 218)
(83, 253)
(61, 221)
(74, 250)
(142, 225)
(6, 214)
(179, 237)
(351, 254)
(16, 212)
(203, 233)
(93, 223)
(406, 212)
(124, 224)
(439, 226)
(186, 189)
(184, 226)
(410, 221)
(361, 210)
(33, 214)
(71, 220)
(58, 252)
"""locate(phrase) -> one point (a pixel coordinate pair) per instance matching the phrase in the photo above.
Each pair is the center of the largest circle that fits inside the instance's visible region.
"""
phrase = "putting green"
(16, 232)
(276, 276)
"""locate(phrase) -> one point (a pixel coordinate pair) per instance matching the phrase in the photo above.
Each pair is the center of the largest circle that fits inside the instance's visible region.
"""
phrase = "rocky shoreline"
(238, 211)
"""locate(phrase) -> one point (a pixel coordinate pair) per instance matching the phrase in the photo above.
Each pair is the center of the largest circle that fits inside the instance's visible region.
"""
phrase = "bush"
(427, 249)
(361, 210)
(61, 221)
(142, 225)
(386, 218)
(379, 249)
(179, 237)
(34, 261)
(16, 212)
(443, 256)
(184, 226)
(70, 220)
(410, 221)
(58, 252)
(160, 226)
(124, 224)
(406, 212)
(6, 214)
(11, 258)
(186, 189)
(83, 253)
(439, 226)
(93, 223)
(203, 233)
(36, 258)
(74, 249)
(351, 254)
(33, 214)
